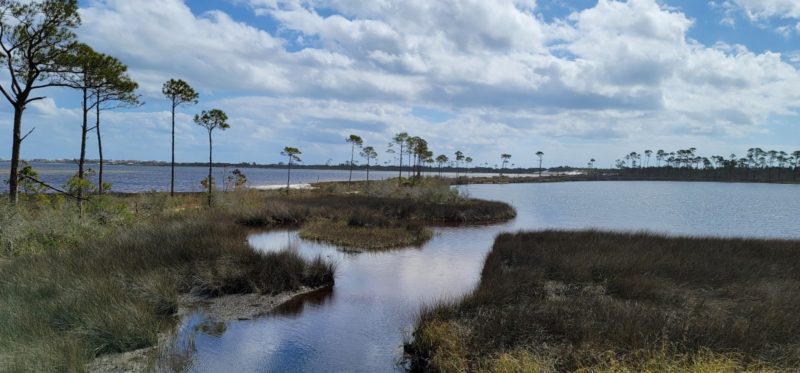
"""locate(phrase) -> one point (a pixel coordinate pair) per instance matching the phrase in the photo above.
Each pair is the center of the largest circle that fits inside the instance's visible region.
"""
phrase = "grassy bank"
(594, 301)
(374, 216)
(358, 236)
(74, 287)
(616, 175)
(77, 288)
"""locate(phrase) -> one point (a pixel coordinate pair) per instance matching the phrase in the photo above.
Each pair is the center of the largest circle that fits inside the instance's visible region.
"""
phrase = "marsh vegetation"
(565, 301)
(74, 288)
(374, 215)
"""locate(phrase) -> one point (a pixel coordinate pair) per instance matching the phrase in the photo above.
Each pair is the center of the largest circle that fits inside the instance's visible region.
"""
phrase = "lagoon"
(360, 324)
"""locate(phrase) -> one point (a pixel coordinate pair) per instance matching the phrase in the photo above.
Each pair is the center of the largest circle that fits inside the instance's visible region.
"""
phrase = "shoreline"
(469, 180)
(587, 178)
(224, 309)
(302, 186)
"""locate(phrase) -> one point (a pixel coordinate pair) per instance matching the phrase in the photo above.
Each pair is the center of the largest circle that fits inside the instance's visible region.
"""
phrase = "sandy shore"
(217, 310)
(278, 187)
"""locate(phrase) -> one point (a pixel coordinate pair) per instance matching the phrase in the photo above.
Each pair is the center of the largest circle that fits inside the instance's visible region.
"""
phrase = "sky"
(575, 79)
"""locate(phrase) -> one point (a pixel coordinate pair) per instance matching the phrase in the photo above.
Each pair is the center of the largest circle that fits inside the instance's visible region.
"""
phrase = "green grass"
(594, 301)
(61, 307)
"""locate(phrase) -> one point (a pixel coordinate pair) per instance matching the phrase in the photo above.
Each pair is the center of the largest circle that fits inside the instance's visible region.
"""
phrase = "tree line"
(755, 165)
(413, 156)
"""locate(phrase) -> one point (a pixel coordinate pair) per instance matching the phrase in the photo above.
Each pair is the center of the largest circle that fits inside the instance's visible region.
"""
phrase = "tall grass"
(363, 220)
(76, 287)
(299, 209)
(615, 302)
(356, 235)
(115, 292)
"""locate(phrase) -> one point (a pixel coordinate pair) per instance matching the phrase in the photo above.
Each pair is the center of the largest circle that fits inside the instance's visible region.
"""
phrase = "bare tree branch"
(26, 135)
(52, 187)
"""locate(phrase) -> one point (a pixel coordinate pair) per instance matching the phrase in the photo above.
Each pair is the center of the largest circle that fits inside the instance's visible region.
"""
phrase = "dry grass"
(371, 221)
(358, 237)
(61, 308)
(301, 208)
(594, 301)
(73, 288)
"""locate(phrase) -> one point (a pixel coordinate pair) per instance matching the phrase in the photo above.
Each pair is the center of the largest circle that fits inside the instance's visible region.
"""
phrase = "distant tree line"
(755, 165)
(414, 157)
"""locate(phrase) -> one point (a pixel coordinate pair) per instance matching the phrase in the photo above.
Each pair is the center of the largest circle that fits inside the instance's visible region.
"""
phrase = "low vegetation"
(357, 236)
(74, 288)
(594, 301)
(378, 215)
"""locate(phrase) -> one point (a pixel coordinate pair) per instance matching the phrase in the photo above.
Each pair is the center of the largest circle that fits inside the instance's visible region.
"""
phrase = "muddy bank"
(216, 311)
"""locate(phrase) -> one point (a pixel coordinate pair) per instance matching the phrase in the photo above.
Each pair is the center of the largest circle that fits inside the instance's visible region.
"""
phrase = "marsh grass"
(594, 301)
(61, 307)
(299, 209)
(365, 237)
(387, 217)
(76, 287)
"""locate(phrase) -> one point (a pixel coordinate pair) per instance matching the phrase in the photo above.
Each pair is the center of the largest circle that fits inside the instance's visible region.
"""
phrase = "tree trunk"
(367, 173)
(172, 174)
(99, 146)
(210, 162)
(400, 174)
(352, 151)
(540, 167)
(13, 179)
(410, 168)
(82, 160)
(289, 174)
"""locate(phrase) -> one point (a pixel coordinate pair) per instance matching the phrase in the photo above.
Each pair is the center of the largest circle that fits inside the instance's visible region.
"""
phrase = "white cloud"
(763, 9)
(163, 39)
(621, 71)
(765, 13)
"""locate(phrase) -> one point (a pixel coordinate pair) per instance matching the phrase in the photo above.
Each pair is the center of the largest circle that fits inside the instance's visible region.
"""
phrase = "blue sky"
(576, 79)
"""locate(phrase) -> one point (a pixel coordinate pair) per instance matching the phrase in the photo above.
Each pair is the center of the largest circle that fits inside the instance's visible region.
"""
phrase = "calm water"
(124, 178)
(128, 178)
(360, 323)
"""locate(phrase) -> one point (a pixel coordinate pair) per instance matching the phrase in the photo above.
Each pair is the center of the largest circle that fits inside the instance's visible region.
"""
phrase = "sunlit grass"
(61, 307)
(610, 302)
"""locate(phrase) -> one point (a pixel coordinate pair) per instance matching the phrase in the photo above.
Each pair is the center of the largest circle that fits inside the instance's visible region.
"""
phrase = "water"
(131, 178)
(360, 323)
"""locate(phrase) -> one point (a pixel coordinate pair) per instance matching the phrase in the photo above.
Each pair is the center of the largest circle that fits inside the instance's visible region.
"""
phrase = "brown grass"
(597, 301)
(73, 288)
(359, 237)
(301, 208)
(59, 309)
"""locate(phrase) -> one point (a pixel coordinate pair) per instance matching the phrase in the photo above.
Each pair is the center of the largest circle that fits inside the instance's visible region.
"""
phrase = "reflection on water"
(295, 306)
(360, 323)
